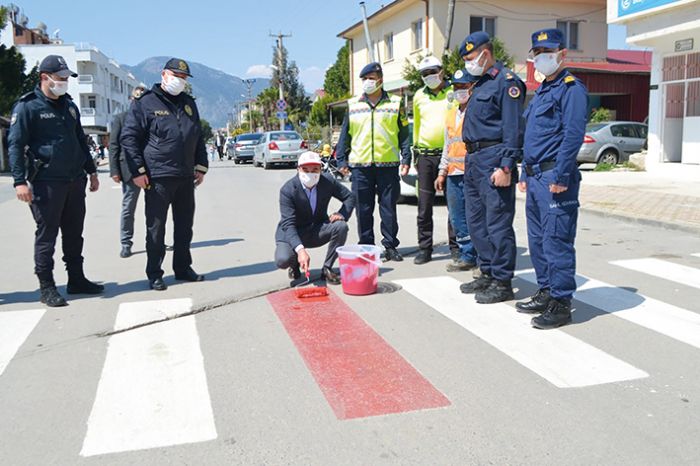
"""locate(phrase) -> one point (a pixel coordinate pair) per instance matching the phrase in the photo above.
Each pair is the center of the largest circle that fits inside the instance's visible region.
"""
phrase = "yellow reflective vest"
(429, 111)
(374, 132)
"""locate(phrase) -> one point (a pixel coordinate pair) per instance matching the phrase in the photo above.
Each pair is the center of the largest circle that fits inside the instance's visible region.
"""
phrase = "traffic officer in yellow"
(374, 141)
(429, 111)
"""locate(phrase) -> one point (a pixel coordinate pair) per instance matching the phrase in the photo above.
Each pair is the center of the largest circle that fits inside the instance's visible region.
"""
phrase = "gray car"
(279, 148)
(612, 142)
(242, 147)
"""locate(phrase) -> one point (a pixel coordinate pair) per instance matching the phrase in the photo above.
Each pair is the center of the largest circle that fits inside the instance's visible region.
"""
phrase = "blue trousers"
(380, 184)
(457, 207)
(490, 213)
(551, 230)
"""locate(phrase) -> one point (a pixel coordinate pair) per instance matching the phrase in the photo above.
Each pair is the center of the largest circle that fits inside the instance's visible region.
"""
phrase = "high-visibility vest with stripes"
(374, 132)
(428, 116)
(456, 149)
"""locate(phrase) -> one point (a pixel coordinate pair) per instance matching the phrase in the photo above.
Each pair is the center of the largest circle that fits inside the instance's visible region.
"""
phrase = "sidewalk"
(668, 197)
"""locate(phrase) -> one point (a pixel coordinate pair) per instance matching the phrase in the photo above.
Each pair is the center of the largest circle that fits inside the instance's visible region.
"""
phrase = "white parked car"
(279, 148)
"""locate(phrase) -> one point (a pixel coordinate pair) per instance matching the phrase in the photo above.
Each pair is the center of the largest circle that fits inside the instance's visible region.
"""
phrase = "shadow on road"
(215, 242)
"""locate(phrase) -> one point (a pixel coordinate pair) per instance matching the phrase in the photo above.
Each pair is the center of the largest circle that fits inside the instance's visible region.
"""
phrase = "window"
(481, 23)
(389, 46)
(623, 131)
(287, 136)
(641, 131)
(92, 102)
(570, 30)
(417, 29)
(693, 109)
(109, 107)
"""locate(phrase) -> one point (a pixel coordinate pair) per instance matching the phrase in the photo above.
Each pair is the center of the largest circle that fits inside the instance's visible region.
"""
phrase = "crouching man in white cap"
(305, 222)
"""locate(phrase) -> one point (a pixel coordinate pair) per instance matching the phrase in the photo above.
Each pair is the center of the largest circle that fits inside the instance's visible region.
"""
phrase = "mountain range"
(217, 93)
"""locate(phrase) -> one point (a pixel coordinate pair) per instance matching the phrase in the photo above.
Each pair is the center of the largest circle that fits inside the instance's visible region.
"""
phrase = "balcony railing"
(88, 111)
(86, 79)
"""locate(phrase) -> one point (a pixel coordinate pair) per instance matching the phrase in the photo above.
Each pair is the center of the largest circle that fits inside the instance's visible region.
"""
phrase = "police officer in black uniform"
(493, 133)
(50, 158)
(164, 147)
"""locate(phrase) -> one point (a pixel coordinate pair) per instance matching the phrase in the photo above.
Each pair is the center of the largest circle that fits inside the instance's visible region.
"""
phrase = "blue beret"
(548, 39)
(178, 65)
(473, 41)
(462, 77)
(373, 67)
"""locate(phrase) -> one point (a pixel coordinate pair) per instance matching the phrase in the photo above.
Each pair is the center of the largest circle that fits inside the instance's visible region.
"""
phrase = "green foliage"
(600, 114)
(266, 101)
(3, 17)
(319, 111)
(604, 167)
(13, 81)
(207, 133)
(298, 104)
(337, 79)
(236, 131)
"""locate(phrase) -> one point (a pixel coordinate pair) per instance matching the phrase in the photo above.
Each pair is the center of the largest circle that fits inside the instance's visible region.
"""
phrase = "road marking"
(558, 357)
(15, 327)
(697, 254)
(359, 373)
(153, 389)
(666, 319)
(663, 269)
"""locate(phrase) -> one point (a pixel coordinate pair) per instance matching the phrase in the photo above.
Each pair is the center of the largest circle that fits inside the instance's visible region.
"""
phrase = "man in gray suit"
(119, 171)
(305, 222)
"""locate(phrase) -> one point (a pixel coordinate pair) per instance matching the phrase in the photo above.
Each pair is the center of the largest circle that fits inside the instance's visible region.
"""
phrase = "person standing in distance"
(164, 146)
(492, 132)
(556, 126)
(119, 171)
(50, 158)
(375, 135)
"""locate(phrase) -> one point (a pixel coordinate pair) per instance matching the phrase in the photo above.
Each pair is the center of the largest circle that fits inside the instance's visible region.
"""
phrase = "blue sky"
(228, 35)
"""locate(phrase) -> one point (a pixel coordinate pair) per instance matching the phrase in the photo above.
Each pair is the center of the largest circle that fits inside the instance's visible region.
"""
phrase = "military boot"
(78, 284)
(538, 303)
(50, 295)
(480, 284)
(558, 313)
(497, 292)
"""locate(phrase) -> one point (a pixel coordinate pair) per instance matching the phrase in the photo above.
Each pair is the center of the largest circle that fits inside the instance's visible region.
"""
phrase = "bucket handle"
(375, 262)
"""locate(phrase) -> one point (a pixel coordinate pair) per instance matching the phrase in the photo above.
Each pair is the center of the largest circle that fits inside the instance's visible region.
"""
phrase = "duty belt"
(478, 145)
(537, 168)
(426, 151)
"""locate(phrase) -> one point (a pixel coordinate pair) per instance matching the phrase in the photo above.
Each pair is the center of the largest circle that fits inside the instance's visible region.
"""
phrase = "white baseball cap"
(309, 158)
(429, 62)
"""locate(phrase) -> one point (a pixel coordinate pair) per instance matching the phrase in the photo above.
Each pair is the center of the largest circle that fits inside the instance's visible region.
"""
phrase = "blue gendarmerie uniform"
(492, 130)
(556, 126)
(162, 138)
(52, 132)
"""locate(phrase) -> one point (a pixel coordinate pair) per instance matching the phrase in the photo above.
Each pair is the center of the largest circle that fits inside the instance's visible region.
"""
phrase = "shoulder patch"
(569, 79)
(514, 92)
(188, 110)
(72, 112)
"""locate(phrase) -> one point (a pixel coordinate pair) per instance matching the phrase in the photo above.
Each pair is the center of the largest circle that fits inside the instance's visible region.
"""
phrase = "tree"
(267, 101)
(13, 81)
(319, 111)
(337, 79)
(298, 104)
(207, 133)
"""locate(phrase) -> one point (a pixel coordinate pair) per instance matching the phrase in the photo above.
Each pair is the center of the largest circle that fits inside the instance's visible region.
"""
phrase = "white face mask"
(370, 86)
(473, 67)
(461, 96)
(433, 81)
(309, 179)
(173, 85)
(58, 88)
(547, 63)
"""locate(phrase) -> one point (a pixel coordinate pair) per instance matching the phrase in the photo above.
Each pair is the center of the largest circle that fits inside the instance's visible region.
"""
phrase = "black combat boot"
(423, 257)
(480, 284)
(78, 284)
(538, 303)
(558, 313)
(497, 292)
(50, 295)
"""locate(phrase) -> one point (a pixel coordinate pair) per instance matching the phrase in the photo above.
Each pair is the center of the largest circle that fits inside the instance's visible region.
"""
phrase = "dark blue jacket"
(52, 131)
(162, 136)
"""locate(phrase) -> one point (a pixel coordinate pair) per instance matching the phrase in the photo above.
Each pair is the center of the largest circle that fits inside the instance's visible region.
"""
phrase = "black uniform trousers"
(427, 174)
(163, 193)
(333, 234)
(58, 204)
(382, 184)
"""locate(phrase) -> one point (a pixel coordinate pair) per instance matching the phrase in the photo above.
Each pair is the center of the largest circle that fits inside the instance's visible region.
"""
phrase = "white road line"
(697, 254)
(153, 389)
(663, 269)
(15, 327)
(141, 312)
(666, 319)
(560, 358)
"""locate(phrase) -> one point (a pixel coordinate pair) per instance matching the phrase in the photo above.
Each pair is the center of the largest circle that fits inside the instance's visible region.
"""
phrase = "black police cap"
(56, 64)
(178, 65)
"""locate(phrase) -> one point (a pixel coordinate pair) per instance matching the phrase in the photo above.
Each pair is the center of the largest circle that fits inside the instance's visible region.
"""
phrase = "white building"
(102, 88)
(671, 28)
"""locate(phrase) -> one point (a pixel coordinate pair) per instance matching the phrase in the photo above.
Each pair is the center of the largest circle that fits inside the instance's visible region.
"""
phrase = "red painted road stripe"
(358, 372)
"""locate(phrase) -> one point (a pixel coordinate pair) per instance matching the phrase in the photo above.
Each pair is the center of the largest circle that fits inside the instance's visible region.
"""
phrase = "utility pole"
(249, 85)
(280, 70)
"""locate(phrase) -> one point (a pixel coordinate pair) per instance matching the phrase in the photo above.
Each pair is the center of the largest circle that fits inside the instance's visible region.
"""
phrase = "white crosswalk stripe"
(697, 254)
(672, 321)
(560, 358)
(15, 327)
(678, 273)
(153, 389)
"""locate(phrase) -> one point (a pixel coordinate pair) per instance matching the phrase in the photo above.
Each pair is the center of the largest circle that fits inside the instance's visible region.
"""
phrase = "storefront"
(671, 30)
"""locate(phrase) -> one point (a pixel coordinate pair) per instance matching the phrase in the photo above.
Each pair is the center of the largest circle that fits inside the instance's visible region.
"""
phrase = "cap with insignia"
(56, 64)
(548, 39)
(178, 65)
(473, 41)
(373, 67)
(462, 77)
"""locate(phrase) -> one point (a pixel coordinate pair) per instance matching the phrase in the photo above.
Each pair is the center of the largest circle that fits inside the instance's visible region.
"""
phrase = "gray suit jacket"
(117, 162)
(295, 208)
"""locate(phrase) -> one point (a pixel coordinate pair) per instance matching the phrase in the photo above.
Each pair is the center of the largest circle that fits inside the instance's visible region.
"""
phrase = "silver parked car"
(279, 148)
(612, 142)
(242, 148)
